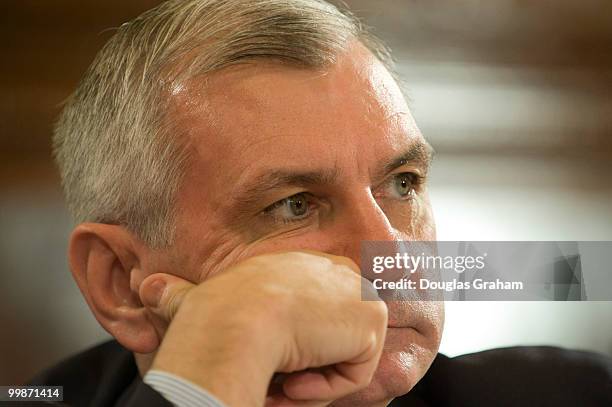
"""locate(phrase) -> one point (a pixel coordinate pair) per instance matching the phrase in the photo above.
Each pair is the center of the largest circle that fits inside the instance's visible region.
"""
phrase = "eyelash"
(415, 184)
(417, 180)
(279, 204)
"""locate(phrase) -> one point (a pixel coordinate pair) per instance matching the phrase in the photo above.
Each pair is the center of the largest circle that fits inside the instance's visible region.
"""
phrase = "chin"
(405, 360)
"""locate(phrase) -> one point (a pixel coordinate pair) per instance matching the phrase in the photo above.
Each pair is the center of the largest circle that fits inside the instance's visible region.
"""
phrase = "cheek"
(231, 249)
(424, 227)
(413, 219)
(224, 255)
(207, 250)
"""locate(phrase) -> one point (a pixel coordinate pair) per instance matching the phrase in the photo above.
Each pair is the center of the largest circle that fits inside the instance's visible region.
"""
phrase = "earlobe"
(104, 260)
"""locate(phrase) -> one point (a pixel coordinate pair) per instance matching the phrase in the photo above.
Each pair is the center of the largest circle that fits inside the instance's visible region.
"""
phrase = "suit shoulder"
(558, 361)
(536, 375)
(84, 365)
(101, 372)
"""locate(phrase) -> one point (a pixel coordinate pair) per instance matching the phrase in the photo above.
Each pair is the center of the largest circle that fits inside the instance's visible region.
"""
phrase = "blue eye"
(293, 208)
(403, 185)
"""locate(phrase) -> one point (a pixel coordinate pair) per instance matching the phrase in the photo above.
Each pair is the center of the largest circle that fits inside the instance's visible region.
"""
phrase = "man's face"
(287, 158)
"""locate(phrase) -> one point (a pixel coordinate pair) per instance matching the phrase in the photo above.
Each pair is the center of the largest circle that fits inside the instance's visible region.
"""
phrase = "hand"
(298, 313)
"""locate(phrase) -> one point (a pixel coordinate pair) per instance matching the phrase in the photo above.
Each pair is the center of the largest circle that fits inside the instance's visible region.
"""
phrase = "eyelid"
(279, 202)
(406, 168)
(418, 180)
(268, 211)
(409, 169)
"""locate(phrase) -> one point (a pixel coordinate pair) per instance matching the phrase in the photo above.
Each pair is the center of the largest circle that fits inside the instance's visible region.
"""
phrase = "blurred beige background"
(513, 94)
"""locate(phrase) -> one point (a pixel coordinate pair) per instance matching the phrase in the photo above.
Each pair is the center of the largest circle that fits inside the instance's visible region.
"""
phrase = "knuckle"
(365, 377)
(176, 300)
(171, 308)
(365, 380)
(377, 311)
(350, 269)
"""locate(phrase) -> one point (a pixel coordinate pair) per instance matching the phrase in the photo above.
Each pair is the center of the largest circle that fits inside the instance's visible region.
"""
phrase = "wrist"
(231, 356)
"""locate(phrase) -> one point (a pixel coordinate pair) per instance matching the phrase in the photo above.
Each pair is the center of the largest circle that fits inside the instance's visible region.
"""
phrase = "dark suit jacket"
(522, 376)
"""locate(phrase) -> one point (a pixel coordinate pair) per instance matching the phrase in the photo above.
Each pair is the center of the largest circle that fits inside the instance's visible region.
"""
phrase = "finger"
(164, 293)
(338, 380)
(339, 260)
(280, 400)
(329, 383)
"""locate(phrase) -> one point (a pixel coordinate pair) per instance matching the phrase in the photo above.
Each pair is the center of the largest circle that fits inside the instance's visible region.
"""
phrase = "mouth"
(402, 327)
(397, 322)
(403, 315)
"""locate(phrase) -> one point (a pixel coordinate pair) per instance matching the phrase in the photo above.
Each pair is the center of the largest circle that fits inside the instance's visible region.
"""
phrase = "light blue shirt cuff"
(180, 392)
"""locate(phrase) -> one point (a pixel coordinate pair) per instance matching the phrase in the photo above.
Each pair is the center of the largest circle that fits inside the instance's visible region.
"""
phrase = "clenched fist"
(296, 313)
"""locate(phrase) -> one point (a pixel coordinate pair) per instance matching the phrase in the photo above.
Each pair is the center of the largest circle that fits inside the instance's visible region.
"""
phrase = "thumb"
(163, 294)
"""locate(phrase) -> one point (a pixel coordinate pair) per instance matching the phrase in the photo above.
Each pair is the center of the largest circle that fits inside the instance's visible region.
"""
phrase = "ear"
(105, 262)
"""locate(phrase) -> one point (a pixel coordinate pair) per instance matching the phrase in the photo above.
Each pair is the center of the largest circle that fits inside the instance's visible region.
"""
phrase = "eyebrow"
(420, 153)
(278, 179)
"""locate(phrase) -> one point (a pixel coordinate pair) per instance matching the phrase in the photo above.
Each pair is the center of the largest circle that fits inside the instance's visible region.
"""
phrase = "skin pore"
(284, 158)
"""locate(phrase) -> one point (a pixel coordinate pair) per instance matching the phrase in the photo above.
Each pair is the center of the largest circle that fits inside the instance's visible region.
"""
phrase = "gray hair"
(119, 161)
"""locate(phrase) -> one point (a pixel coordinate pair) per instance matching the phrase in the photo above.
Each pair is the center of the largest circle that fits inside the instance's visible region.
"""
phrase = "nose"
(361, 221)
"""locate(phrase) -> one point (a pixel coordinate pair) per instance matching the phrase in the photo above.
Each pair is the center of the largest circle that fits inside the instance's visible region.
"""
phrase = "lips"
(392, 323)
(424, 318)
(401, 327)
(403, 314)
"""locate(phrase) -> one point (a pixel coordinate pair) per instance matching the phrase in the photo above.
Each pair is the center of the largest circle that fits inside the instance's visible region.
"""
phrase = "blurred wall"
(514, 95)
(46, 47)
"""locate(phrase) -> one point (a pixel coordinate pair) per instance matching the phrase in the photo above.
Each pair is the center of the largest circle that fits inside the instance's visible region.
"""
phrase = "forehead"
(268, 115)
